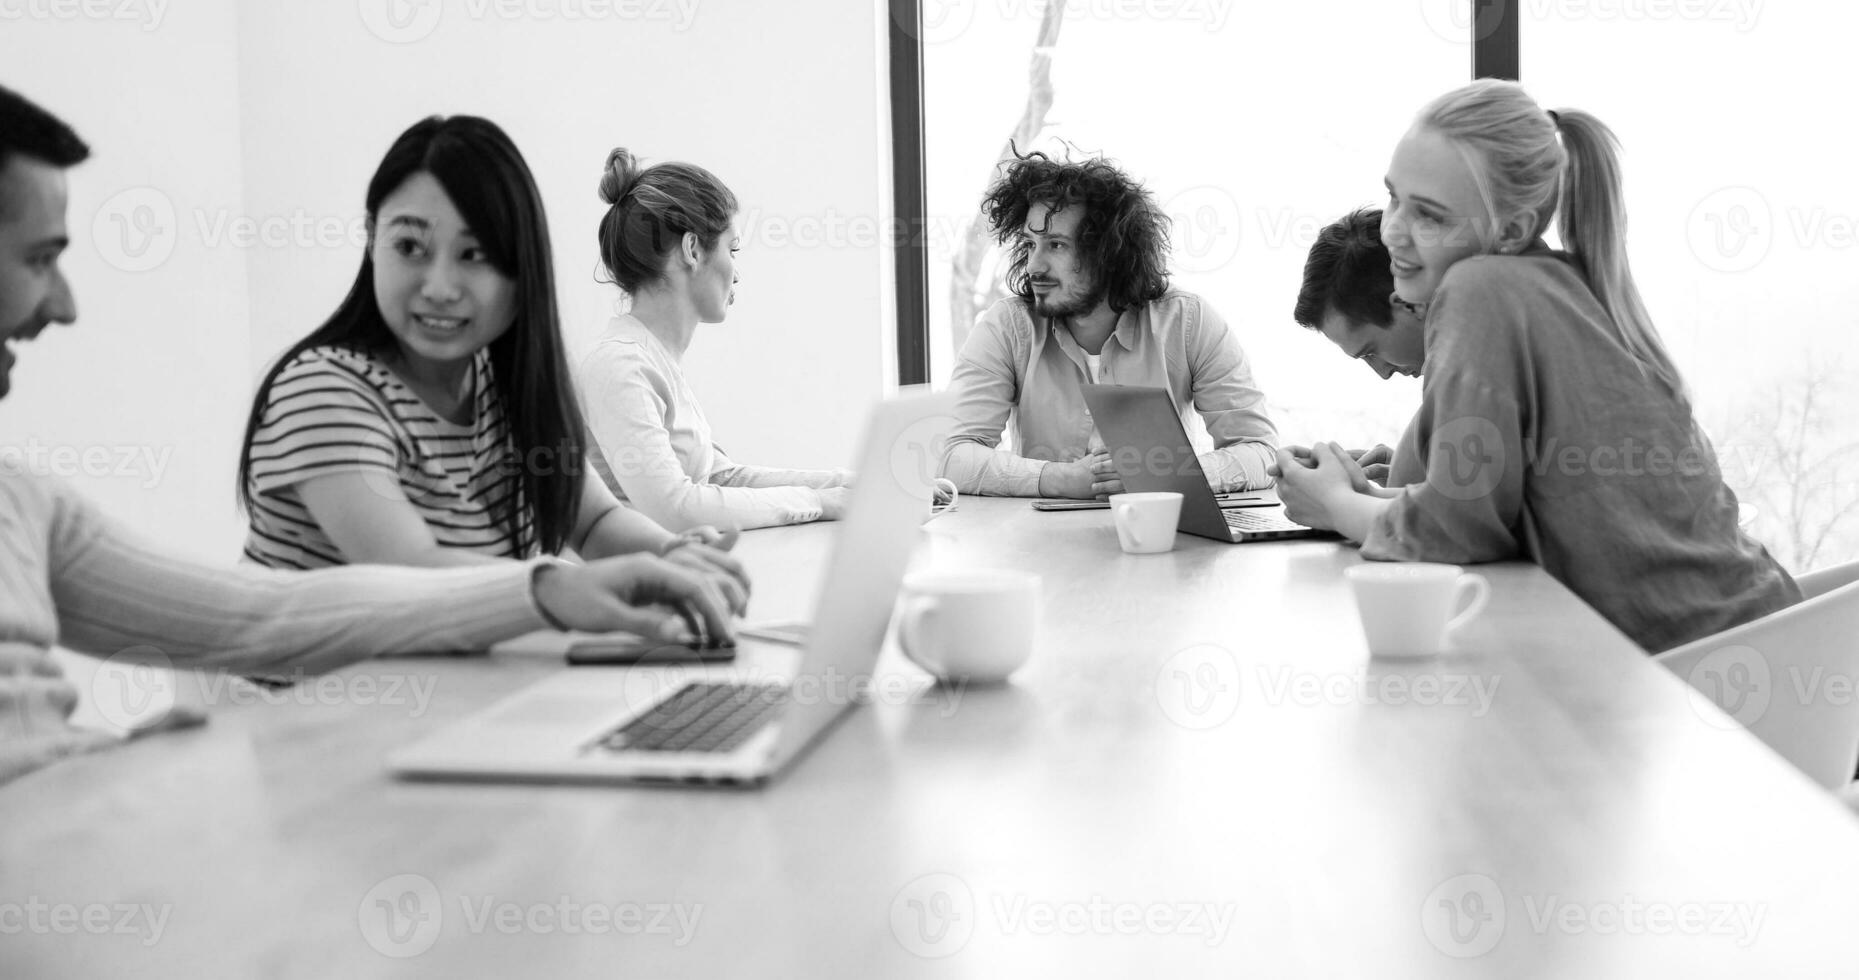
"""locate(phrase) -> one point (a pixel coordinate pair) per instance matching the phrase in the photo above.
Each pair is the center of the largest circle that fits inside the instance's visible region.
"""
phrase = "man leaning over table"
(70, 575)
(1091, 303)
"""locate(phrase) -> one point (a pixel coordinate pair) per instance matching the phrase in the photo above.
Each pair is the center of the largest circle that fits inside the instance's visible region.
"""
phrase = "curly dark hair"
(1123, 237)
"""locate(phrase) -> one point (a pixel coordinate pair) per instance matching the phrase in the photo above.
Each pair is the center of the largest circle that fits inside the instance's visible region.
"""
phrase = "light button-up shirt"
(1022, 370)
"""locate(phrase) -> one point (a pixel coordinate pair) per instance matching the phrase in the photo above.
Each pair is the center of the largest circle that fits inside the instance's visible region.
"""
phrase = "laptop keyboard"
(699, 717)
(1246, 520)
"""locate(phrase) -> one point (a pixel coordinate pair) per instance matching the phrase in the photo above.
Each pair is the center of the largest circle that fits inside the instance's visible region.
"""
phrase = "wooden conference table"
(1198, 774)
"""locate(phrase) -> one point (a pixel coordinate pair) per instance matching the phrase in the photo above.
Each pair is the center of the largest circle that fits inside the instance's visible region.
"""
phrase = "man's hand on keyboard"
(641, 594)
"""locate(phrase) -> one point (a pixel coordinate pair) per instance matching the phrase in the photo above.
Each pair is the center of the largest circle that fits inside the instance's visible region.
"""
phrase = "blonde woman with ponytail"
(1553, 425)
(669, 242)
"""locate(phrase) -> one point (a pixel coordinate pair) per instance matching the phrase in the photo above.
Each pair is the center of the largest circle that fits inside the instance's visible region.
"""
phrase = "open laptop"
(738, 723)
(1145, 438)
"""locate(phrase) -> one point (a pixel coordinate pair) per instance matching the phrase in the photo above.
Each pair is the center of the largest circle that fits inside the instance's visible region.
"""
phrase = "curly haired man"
(1091, 304)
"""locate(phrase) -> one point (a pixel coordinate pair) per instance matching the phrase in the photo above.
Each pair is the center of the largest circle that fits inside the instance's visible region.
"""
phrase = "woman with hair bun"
(669, 241)
(1553, 425)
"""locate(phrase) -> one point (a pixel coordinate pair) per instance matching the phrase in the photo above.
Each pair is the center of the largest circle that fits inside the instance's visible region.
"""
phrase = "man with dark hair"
(1091, 303)
(70, 575)
(1347, 297)
(35, 149)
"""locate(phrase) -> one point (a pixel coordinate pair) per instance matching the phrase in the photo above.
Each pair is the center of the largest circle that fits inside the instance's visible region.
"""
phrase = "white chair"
(1757, 673)
(1827, 579)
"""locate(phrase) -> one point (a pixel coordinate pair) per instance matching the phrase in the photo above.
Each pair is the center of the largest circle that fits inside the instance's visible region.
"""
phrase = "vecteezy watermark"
(915, 456)
(411, 691)
(1734, 686)
(936, 915)
(1469, 457)
(1736, 679)
(1206, 232)
(1631, 458)
(1202, 687)
(400, 21)
(1468, 915)
(946, 20)
(138, 686)
(1466, 458)
(404, 916)
(1282, 684)
(1463, 21)
(146, 13)
(114, 462)
(1198, 687)
(836, 229)
(138, 229)
(407, 21)
(134, 688)
(37, 917)
(1464, 916)
(1732, 229)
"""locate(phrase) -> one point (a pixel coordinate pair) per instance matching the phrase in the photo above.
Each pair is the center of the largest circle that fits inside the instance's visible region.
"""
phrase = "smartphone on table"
(625, 651)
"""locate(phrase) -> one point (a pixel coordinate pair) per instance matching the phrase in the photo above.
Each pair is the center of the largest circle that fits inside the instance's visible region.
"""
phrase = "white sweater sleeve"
(111, 592)
(627, 401)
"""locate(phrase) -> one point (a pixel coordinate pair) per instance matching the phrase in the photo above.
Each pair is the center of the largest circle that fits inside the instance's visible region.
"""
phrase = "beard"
(1069, 302)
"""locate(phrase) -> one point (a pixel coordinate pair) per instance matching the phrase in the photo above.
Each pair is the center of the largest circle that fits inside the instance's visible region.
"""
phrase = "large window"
(1255, 126)
(1744, 205)
(1259, 123)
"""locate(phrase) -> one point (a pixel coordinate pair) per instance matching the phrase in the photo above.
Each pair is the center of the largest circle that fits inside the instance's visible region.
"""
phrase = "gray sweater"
(1539, 437)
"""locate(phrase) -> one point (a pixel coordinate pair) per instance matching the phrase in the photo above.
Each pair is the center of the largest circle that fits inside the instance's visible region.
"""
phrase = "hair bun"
(621, 174)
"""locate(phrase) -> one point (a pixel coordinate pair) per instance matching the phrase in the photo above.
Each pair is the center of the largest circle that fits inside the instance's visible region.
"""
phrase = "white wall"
(150, 380)
(260, 125)
(780, 100)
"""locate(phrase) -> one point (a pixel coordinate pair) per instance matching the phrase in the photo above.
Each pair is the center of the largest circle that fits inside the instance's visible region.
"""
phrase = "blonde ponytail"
(1592, 221)
(1522, 167)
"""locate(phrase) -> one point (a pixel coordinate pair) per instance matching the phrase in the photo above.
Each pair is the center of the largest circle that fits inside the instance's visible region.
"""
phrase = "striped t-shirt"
(336, 410)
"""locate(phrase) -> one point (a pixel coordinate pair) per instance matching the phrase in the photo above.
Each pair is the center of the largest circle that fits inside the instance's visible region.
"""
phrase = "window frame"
(1495, 50)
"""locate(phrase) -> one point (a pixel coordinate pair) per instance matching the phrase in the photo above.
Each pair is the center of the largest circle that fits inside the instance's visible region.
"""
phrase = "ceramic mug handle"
(910, 627)
(1129, 526)
(1480, 591)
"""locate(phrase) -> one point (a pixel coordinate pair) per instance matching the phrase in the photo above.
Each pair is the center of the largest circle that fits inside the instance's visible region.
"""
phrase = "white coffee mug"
(1407, 607)
(1146, 521)
(970, 625)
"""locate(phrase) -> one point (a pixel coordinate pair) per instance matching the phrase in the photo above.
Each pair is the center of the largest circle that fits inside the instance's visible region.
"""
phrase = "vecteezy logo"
(400, 21)
(916, 455)
(943, 20)
(1731, 229)
(1464, 916)
(1198, 687)
(1735, 679)
(136, 230)
(134, 688)
(401, 916)
(1469, 453)
(934, 915)
(1462, 21)
(1206, 228)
